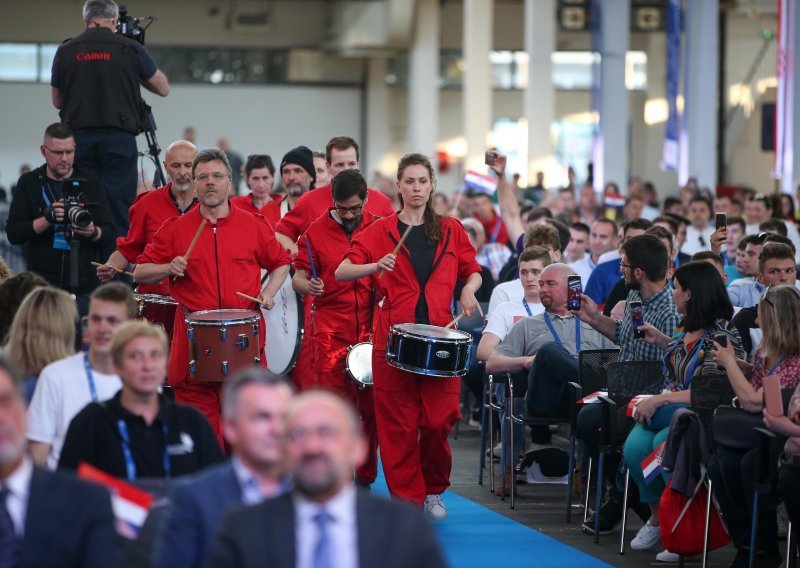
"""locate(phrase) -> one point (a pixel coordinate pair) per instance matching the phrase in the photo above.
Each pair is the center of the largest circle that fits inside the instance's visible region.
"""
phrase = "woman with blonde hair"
(732, 470)
(43, 331)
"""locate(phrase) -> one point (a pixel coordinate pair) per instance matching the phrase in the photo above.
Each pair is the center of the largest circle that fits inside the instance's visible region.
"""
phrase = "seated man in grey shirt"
(548, 345)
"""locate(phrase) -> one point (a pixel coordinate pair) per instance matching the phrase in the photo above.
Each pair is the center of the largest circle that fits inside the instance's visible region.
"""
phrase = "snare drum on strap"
(221, 342)
(359, 363)
(428, 349)
(158, 310)
(284, 325)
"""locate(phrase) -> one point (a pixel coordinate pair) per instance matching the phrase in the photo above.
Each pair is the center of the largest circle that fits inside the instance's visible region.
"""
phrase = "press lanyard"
(130, 466)
(692, 363)
(558, 339)
(527, 307)
(772, 369)
(90, 377)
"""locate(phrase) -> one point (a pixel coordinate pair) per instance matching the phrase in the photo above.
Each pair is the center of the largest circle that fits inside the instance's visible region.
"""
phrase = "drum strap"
(558, 339)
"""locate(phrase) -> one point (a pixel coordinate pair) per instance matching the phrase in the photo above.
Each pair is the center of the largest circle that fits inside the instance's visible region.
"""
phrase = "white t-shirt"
(507, 314)
(62, 391)
(510, 291)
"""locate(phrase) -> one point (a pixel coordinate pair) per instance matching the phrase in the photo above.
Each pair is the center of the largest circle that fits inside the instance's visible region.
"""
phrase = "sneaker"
(610, 517)
(495, 452)
(667, 556)
(647, 537)
(434, 508)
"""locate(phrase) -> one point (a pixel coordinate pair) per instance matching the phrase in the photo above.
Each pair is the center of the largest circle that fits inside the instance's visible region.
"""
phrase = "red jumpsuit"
(227, 258)
(147, 214)
(246, 202)
(341, 319)
(272, 210)
(414, 413)
(311, 206)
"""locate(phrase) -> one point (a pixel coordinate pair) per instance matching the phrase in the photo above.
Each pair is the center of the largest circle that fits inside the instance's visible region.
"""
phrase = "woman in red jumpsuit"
(414, 412)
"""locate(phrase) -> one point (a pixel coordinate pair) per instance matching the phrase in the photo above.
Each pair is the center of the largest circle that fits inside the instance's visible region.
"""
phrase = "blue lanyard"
(90, 377)
(772, 369)
(130, 465)
(558, 339)
(496, 230)
(692, 363)
(527, 307)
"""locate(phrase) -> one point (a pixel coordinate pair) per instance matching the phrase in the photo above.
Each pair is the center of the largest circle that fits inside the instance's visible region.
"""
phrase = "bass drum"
(284, 329)
(359, 364)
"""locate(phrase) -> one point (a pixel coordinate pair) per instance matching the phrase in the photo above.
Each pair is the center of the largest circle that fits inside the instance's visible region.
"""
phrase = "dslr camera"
(131, 27)
(76, 208)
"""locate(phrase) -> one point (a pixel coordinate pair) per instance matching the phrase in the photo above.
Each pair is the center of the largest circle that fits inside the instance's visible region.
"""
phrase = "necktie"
(10, 544)
(322, 551)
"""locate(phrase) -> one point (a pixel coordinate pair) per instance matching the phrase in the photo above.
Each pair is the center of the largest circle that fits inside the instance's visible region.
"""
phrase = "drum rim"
(156, 299)
(465, 337)
(427, 373)
(347, 363)
(229, 321)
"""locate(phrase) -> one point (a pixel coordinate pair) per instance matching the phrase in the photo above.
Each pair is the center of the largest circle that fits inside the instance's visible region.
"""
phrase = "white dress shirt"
(342, 530)
(19, 488)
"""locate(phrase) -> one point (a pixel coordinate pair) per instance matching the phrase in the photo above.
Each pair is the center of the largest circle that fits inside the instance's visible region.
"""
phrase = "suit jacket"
(390, 535)
(69, 523)
(196, 511)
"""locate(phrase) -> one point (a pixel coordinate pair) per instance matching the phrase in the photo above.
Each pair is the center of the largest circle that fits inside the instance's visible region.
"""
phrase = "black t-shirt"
(744, 321)
(94, 436)
(422, 255)
(53, 189)
(618, 294)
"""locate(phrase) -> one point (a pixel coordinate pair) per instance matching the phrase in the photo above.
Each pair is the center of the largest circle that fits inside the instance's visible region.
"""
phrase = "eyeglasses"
(629, 266)
(60, 153)
(215, 176)
(355, 209)
(324, 432)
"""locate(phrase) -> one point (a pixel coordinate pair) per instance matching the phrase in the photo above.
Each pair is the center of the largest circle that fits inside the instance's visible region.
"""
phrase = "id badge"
(59, 242)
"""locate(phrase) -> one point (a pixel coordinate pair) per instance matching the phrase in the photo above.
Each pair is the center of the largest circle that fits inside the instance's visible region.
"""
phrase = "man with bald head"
(149, 212)
(548, 344)
(325, 521)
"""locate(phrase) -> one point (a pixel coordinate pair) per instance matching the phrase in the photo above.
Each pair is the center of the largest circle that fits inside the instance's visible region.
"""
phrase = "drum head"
(155, 299)
(222, 317)
(432, 331)
(359, 363)
(284, 323)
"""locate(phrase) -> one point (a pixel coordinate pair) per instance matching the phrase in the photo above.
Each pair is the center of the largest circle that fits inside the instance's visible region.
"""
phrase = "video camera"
(76, 208)
(131, 27)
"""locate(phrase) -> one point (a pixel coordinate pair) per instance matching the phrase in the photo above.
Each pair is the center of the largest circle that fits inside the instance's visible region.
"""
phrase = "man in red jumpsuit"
(342, 310)
(259, 176)
(149, 212)
(298, 176)
(229, 254)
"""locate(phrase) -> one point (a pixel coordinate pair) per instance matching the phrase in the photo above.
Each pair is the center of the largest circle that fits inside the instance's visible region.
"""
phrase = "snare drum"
(428, 349)
(222, 342)
(158, 310)
(359, 363)
(284, 325)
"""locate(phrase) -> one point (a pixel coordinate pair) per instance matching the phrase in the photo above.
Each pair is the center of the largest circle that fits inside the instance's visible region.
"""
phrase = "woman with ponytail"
(414, 412)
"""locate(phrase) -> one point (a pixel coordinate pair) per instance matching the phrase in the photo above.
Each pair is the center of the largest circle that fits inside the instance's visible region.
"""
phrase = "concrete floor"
(541, 507)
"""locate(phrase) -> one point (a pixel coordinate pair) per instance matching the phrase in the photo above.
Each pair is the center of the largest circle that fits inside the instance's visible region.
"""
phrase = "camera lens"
(79, 217)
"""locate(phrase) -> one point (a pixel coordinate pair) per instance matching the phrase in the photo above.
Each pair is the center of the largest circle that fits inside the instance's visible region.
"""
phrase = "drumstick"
(455, 321)
(310, 258)
(114, 268)
(194, 242)
(399, 244)
(251, 298)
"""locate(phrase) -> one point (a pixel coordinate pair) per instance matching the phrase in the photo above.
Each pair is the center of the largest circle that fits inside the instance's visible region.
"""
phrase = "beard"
(350, 225)
(297, 189)
(314, 483)
(182, 187)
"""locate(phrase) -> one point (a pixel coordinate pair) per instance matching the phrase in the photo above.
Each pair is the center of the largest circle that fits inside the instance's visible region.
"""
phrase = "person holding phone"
(700, 298)
(732, 471)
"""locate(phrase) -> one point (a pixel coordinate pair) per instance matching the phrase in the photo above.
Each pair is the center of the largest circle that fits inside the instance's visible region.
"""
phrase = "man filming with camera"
(60, 213)
(95, 85)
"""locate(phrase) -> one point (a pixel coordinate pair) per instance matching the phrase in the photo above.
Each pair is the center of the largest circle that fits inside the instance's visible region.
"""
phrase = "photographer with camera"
(60, 213)
(95, 85)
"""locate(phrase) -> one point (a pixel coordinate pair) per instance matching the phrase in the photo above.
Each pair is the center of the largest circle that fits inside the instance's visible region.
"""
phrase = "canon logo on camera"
(94, 56)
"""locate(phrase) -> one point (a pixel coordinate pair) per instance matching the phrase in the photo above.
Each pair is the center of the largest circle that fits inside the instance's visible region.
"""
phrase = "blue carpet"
(474, 536)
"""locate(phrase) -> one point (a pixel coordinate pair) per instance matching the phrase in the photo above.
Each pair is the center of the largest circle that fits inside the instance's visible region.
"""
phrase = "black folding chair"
(625, 380)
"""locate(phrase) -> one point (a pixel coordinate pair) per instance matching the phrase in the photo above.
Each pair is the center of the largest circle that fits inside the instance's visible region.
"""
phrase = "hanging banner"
(783, 103)
(669, 157)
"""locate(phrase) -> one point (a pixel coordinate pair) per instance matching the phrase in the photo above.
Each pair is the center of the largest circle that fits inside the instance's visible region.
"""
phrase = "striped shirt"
(659, 311)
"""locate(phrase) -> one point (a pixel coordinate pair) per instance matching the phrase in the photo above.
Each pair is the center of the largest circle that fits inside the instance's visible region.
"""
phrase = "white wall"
(269, 120)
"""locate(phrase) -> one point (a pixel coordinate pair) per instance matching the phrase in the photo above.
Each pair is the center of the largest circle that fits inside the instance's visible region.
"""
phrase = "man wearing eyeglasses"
(95, 85)
(229, 253)
(36, 218)
(343, 311)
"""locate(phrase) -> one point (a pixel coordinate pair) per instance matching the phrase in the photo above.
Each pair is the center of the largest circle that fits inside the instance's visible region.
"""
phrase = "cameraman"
(36, 218)
(95, 84)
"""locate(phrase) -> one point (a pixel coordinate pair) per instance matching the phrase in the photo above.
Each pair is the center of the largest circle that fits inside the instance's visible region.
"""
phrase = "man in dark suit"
(253, 411)
(325, 521)
(46, 519)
